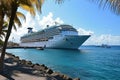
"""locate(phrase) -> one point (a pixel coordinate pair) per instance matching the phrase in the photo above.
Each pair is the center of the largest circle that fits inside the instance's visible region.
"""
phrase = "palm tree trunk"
(14, 10)
(1, 19)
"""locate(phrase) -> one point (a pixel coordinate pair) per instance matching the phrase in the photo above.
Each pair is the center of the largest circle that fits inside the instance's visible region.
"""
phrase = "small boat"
(105, 46)
(40, 48)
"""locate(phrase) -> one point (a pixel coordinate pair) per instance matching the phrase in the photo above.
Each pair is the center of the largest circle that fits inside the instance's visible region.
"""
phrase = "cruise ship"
(57, 36)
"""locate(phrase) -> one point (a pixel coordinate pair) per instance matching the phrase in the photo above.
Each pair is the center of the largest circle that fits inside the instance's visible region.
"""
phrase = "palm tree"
(28, 5)
(114, 5)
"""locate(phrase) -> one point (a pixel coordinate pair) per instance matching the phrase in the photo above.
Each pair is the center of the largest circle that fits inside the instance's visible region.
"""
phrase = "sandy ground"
(23, 76)
(2, 77)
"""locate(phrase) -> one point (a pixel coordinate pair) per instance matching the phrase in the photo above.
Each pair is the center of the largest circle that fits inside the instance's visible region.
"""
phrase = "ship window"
(59, 28)
(50, 37)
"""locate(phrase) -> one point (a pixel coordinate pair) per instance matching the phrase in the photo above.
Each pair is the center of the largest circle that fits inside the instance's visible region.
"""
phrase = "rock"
(45, 67)
(16, 58)
(37, 67)
(10, 60)
(37, 64)
(57, 76)
(54, 74)
(23, 62)
(42, 65)
(13, 55)
(69, 78)
(29, 63)
(76, 79)
(49, 71)
(60, 76)
(64, 76)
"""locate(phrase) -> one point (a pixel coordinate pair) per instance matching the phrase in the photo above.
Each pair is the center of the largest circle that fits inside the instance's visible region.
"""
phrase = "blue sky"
(85, 14)
(82, 14)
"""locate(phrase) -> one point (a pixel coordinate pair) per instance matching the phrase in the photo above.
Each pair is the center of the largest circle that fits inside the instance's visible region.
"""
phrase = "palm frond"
(28, 8)
(17, 21)
(21, 15)
(114, 5)
(3, 34)
(32, 11)
(38, 4)
(1, 37)
(25, 7)
(5, 25)
(25, 2)
(15, 28)
(4, 30)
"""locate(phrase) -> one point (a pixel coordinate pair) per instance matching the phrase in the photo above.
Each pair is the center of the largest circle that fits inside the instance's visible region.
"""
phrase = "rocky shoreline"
(39, 69)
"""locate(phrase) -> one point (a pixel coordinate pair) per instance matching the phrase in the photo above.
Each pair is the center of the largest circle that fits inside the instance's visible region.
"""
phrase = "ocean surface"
(88, 63)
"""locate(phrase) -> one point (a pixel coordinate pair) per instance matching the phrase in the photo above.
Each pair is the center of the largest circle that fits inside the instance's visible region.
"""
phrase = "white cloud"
(85, 32)
(48, 20)
(99, 39)
(36, 23)
(103, 39)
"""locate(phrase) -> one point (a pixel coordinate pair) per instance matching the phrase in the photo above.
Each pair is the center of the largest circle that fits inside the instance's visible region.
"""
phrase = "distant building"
(12, 44)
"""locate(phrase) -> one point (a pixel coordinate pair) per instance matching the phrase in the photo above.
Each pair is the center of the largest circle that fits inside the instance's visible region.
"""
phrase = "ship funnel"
(47, 26)
(30, 30)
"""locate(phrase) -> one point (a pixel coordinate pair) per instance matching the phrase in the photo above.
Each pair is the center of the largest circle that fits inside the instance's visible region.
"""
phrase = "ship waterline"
(62, 36)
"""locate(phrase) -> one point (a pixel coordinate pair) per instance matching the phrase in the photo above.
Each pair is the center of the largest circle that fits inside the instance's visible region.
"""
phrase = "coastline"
(27, 69)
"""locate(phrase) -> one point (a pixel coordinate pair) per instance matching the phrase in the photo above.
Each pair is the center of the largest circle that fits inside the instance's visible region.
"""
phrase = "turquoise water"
(88, 63)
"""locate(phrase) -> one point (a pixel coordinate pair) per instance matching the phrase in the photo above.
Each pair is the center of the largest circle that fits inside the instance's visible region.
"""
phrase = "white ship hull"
(63, 42)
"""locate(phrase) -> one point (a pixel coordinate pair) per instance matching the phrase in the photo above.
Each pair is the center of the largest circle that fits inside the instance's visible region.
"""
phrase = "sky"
(87, 17)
